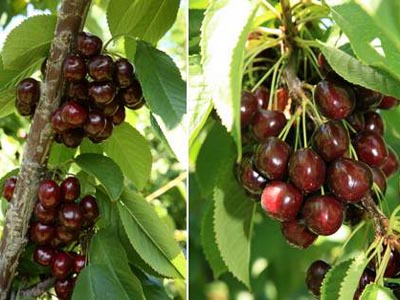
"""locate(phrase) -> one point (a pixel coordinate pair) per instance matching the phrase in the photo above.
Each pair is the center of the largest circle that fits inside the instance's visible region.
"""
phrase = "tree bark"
(71, 17)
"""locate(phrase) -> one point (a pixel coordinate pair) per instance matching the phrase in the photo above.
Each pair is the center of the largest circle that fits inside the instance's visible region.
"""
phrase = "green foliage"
(375, 291)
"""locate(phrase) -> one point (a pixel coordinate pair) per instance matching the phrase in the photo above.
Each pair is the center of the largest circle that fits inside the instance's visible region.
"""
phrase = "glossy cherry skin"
(88, 45)
(335, 101)
(89, 208)
(267, 123)
(132, 96)
(272, 157)
(371, 148)
(45, 215)
(9, 187)
(248, 108)
(74, 114)
(323, 215)
(357, 121)
(297, 234)
(119, 116)
(367, 277)
(390, 165)
(374, 122)
(71, 216)
(79, 263)
(307, 170)
(40, 233)
(102, 92)
(95, 123)
(262, 95)
(123, 73)
(49, 193)
(74, 68)
(101, 68)
(389, 102)
(331, 140)
(379, 178)
(43, 255)
(61, 265)
(393, 266)
(367, 99)
(64, 288)
(249, 178)
(57, 122)
(111, 108)
(78, 90)
(28, 91)
(25, 110)
(315, 275)
(70, 189)
(107, 131)
(65, 236)
(281, 201)
(349, 180)
(72, 138)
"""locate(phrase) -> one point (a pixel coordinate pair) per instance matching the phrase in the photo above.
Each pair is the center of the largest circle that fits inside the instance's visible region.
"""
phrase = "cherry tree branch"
(71, 17)
(38, 289)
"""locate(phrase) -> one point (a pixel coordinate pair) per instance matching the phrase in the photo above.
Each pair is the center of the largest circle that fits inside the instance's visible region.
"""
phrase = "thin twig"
(38, 289)
(166, 187)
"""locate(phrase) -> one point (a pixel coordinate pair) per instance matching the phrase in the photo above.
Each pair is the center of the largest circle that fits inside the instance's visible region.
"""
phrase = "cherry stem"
(380, 220)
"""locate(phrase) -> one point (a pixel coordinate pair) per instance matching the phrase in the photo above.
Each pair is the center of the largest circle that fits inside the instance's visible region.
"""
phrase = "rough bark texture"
(70, 21)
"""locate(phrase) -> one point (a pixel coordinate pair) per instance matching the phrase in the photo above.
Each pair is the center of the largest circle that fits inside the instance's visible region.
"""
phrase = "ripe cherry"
(323, 214)
(281, 201)
(71, 216)
(49, 193)
(9, 187)
(307, 170)
(88, 45)
(89, 208)
(119, 116)
(111, 108)
(374, 122)
(349, 180)
(25, 110)
(262, 96)
(357, 121)
(61, 265)
(78, 90)
(367, 277)
(123, 73)
(379, 178)
(389, 102)
(64, 288)
(45, 215)
(79, 263)
(101, 68)
(297, 234)
(323, 64)
(249, 178)
(107, 131)
(73, 113)
(95, 123)
(57, 122)
(331, 140)
(367, 99)
(72, 138)
(267, 123)
(353, 215)
(132, 96)
(43, 255)
(272, 157)
(390, 165)
(315, 275)
(65, 235)
(28, 92)
(102, 92)
(70, 189)
(40, 233)
(74, 68)
(371, 148)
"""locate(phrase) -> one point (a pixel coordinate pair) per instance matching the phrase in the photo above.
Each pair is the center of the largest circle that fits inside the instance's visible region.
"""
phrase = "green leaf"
(29, 42)
(165, 94)
(152, 240)
(105, 243)
(222, 44)
(333, 280)
(131, 151)
(355, 72)
(109, 217)
(105, 170)
(7, 102)
(148, 20)
(60, 154)
(374, 291)
(88, 147)
(198, 4)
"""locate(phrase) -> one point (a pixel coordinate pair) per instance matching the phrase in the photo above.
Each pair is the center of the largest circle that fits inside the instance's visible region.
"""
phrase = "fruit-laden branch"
(71, 17)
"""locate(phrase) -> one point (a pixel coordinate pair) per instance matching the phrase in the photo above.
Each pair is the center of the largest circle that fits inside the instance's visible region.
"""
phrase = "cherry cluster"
(60, 221)
(97, 92)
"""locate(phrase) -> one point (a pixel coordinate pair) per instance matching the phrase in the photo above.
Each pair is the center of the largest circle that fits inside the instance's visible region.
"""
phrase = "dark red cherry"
(367, 99)
(267, 123)
(331, 140)
(45, 215)
(49, 193)
(249, 178)
(123, 72)
(101, 68)
(72, 138)
(119, 116)
(271, 158)
(25, 110)
(111, 108)
(390, 165)
(65, 235)
(335, 100)
(281, 201)
(248, 108)
(262, 96)
(393, 265)
(61, 265)
(71, 216)
(88, 45)
(379, 178)
(349, 180)
(389, 102)
(9, 187)
(89, 208)
(79, 263)
(73, 113)
(64, 288)
(315, 275)
(102, 92)
(323, 214)
(323, 64)
(307, 170)
(57, 122)
(40, 233)
(371, 148)
(374, 122)
(95, 123)
(132, 96)
(43, 255)
(74, 68)
(107, 131)
(367, 277)
(353, 215)
(357, 121)
(297, 234)
(28, 92)
(70, 189)
(78, 90)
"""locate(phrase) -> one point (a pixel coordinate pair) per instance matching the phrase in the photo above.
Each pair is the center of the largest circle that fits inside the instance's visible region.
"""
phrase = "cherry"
(78, 90)
(79, 263)
(64, 235)
(335, 100)
(70, 189)
(353, 215)
(101, 68)
(28, 92)
(123, 72)
(249, 178)
(307, 170)
(323, 214)
(371, 148)
(95, 123)
(107, 131)
(61, 265)
(393, 266)
(282, 97)
(323, 64)
(102, 92)
(43, 255)
(357, 121)
(374, 122)
(267, 123)
(72, 138)
(271, 158)
(132, 96)
(367, 277)
(74, 114)
(64, 287)
(331, 140)
(88, 45)
(390, 165)
(119, 116)
(389, 102)
(45, 215)
(111, 108)
(315, 275)
(262, 96)
(74, 68)
(367, 99)
(49, 193)
(57, 122)
(9, 187)
(281, 201)
(41, 233)
(297, 234)
(25, 110)
(349, 180)
(71, 216)
(379, 178)
(89, 208)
